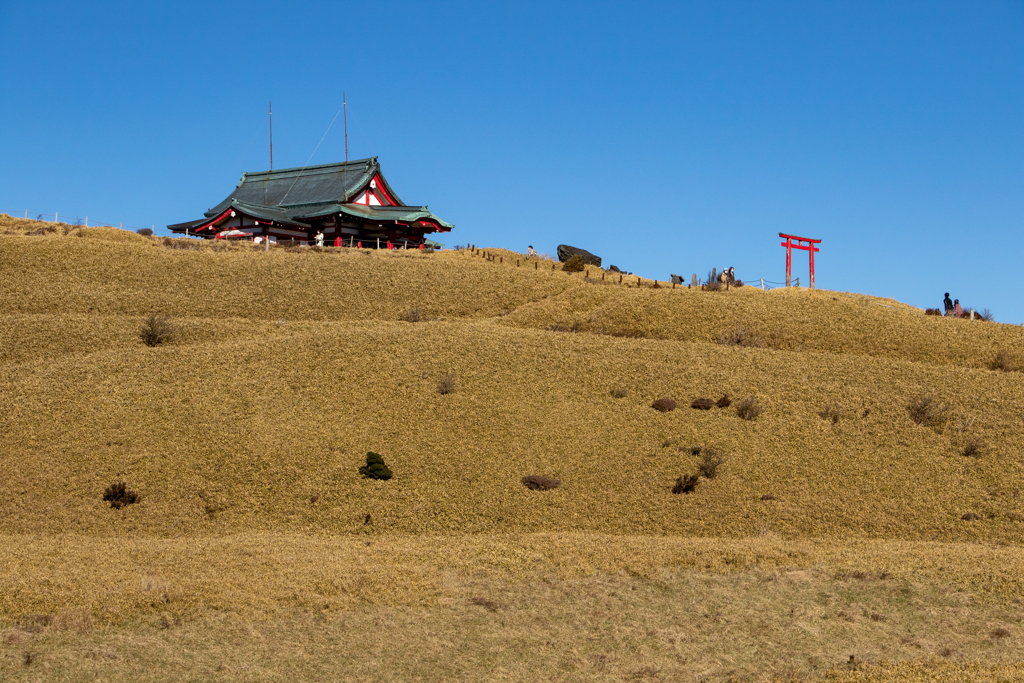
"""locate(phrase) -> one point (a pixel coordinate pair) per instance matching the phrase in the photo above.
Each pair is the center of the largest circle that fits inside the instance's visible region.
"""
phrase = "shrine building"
(350, 202)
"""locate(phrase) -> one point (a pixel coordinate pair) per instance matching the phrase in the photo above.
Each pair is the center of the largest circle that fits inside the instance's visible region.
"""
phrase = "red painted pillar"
(789, 260)
(812, 264)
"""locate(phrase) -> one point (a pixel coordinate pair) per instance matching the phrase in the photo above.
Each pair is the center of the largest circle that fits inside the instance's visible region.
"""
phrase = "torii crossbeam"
(809, 247)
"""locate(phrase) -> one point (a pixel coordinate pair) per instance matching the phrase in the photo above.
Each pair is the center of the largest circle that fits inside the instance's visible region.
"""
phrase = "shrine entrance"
(805, 243)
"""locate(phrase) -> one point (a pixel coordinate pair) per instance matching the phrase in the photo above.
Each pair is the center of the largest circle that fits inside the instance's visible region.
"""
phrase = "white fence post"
(762, 284)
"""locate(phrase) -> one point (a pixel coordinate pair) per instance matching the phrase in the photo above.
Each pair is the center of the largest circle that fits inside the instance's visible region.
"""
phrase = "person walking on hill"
(957, 311)
(319, 238)
(531, 252)
(948, 303)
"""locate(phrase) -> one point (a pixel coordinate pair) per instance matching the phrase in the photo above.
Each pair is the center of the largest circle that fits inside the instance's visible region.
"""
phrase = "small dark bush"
(619, 392)
(666, 443)
(692, 450)
(973, 448)
(833, 413)
(156, 330)
(999, 633)
(375, 467)
(724, 402)
(447, 384)
(928, 411)
(767, 496)
(1003, 362)
(211, 505)
(711, 459)
(932, 311)
(686, 484)
(749, 408)
(744, 336)
(145, 232)
(118, 495)
(574, 264)
(413, 315)
(536, 482)
(970, 516)
(664, 405)
(703, 403)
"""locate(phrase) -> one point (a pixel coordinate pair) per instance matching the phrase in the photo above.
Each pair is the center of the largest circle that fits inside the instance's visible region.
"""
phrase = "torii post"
(809, 246)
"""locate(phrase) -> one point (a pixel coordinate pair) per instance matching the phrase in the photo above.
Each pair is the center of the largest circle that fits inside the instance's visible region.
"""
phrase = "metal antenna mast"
(271, 106)
(345, 107)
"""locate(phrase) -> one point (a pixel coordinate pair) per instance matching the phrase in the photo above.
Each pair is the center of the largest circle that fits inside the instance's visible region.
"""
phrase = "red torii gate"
(788, 244)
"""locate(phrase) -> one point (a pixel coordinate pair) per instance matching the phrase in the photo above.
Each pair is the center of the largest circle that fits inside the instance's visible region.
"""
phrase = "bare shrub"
(575, 326)
(999, 633)
(536, 482)
(686, 484)
(664, 405)
(145, 232)
(986, 315)
(749, 408)
(832, 413)
(79, 620)
(973, 448)
(413, 315)
(619, 392)
(574, 264)
(666, 443)
(711, 459)
(118, 495)
(926, 410)
(489, 605)
(211, 505)
(703, 403)
(932, 311)
(970, 516)
(724, 402)
(447, 384)
(1003, 362)
(746, 337)
(156, 330)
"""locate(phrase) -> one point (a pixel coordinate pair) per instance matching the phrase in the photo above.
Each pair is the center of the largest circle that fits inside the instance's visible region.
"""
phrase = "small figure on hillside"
(732, 275)
(319, 239)
(531, 252)
(957, 311)
(948, 304)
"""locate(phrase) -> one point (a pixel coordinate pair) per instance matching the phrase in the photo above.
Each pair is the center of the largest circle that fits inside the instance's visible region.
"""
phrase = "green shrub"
(375, 467)
(574, 264)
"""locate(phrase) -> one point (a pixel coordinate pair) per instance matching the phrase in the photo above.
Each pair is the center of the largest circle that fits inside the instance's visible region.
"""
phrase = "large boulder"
(565, 252)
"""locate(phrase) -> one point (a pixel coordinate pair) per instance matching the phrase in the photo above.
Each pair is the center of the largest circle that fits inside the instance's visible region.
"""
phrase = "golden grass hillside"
(243, 436)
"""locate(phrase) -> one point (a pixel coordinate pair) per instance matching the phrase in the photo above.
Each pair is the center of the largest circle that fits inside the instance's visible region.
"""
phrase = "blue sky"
(666, 137)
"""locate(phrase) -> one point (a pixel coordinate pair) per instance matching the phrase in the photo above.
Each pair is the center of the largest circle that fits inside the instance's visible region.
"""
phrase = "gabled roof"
(305, 187)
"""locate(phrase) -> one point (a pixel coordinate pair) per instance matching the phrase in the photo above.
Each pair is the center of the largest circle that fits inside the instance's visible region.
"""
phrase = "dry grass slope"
(244, 433)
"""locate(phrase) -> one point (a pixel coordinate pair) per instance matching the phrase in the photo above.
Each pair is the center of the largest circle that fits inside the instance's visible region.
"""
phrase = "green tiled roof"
(305, 187)
(295, 196)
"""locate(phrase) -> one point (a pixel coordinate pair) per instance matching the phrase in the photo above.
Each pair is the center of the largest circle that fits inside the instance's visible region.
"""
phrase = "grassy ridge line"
(137, 275)
(114, 272)
(259, 575)
(292, 414)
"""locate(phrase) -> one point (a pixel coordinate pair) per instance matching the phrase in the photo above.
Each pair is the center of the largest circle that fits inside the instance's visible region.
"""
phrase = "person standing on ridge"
(957, 311)
(948, 303)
